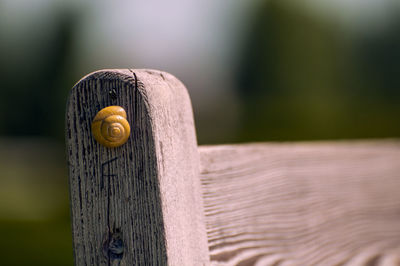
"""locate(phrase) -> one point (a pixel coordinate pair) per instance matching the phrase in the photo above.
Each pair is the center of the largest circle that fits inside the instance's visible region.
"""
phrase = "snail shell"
(110, 127)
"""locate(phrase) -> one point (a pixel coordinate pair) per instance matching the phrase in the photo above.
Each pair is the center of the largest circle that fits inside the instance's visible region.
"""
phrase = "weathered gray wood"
(138, 204)
(264, 204)
(303, 203)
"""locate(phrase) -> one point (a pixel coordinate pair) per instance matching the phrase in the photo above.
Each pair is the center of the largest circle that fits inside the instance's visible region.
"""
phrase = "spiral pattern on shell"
(110, 127)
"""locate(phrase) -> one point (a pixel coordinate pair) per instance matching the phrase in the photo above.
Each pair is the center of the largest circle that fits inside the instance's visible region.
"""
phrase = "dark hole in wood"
(113, 94)
(114, 246)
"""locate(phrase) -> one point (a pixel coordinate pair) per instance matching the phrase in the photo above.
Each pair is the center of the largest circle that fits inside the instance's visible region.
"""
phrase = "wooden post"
(139, 203)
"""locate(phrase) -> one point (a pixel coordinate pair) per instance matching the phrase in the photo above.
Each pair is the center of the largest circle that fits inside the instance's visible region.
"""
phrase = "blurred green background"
(256, 70)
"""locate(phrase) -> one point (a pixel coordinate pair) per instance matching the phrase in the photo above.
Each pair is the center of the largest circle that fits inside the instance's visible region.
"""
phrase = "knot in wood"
(114, 246)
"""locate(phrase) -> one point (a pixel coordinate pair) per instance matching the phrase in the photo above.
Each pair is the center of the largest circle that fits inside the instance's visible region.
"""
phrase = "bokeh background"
(256, 70)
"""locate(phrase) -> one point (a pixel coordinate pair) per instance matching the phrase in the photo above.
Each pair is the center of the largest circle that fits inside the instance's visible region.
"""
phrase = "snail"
(110, 127)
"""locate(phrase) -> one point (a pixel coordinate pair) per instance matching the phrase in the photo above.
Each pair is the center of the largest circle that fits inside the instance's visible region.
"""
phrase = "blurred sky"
(169, 35)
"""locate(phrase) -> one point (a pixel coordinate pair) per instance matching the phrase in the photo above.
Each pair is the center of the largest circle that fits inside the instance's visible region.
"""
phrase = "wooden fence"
(159, 199)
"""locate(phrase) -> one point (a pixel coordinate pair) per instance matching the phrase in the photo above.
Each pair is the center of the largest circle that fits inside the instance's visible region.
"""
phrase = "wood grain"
(303, 203)
(140, 203)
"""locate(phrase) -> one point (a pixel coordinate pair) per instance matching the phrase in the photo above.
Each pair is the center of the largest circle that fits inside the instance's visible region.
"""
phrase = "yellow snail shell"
(110, 127)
